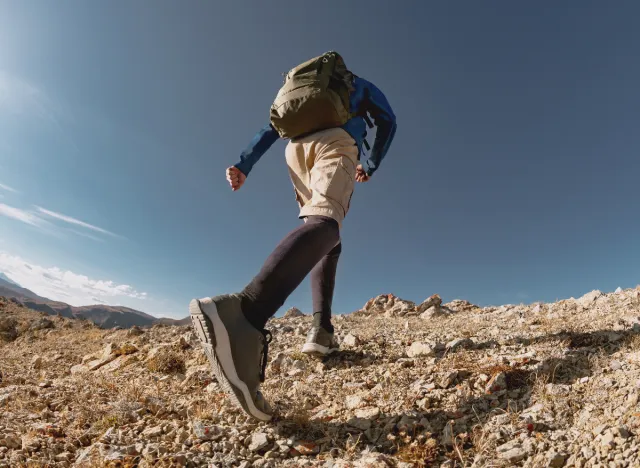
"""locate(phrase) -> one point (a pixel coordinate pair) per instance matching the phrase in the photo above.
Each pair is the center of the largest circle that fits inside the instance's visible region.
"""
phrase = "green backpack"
(315, 96)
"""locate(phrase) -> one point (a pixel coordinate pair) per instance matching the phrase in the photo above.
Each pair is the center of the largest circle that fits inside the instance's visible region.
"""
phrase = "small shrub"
(167, 362)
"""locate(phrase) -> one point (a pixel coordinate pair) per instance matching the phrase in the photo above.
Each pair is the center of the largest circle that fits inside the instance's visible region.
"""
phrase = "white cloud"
(21, 215)
(7, 188)
(63, 285)
(84, 234)
(34, 218)
(77, 222)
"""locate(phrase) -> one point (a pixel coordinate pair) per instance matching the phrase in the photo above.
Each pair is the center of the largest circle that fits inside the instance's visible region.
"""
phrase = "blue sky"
(512, 178)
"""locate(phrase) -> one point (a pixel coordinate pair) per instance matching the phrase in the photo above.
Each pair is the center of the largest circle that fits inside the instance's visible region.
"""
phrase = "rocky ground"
(431, 384)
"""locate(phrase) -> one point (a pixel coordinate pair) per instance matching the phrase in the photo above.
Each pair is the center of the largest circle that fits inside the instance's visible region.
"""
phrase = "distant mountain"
(9, 288)
(6, 279)
(104, 316)
(169, 321)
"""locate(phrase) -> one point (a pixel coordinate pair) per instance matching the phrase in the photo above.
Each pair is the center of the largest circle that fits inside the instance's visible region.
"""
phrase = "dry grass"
(420, 453)
(125, 350)
(167, 361)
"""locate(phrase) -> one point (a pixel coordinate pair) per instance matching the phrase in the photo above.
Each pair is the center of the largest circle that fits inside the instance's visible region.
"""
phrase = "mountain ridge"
(105, 316)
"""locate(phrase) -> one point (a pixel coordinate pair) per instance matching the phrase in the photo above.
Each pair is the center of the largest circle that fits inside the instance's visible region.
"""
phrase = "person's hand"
(235, 177)
(361, 175)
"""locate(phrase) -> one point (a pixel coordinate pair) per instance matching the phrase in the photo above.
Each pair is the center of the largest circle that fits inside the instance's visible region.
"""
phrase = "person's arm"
(259, 145)
(378, 107)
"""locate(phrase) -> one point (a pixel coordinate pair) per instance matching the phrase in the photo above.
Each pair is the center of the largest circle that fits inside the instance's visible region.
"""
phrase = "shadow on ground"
(453, 433)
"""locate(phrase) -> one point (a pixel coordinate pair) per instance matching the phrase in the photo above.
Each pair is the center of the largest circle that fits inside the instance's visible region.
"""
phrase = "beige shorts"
(322, 167)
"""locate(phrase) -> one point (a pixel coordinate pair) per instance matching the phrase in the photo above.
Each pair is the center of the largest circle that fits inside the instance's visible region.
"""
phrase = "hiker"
(322, 109)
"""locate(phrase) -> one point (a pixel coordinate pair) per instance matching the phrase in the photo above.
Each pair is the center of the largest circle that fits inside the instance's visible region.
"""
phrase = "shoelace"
(266, 336)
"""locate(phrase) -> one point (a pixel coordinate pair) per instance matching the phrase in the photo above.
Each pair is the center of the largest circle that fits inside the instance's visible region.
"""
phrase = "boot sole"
(317, 350)
(218, 352)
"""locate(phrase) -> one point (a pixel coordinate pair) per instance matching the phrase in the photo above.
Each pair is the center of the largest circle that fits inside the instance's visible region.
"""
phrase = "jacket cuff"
(243, 167)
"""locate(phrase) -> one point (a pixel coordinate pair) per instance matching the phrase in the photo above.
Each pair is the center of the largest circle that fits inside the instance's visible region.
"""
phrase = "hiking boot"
(237, 351)
(320, 342)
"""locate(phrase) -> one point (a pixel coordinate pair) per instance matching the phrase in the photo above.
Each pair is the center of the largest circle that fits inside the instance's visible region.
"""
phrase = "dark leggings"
(313, 247)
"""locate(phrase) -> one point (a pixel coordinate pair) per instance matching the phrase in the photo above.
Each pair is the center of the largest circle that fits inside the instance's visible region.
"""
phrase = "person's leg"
(231, 327)
(321, 340)
(331, 183)
(291, 261)
(323, 280)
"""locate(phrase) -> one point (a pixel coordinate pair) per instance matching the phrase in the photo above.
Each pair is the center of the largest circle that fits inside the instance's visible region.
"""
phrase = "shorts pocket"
(340, 186)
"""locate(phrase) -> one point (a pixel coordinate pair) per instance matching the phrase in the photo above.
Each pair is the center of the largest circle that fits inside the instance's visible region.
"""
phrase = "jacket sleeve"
(261, 142)
(378, 107)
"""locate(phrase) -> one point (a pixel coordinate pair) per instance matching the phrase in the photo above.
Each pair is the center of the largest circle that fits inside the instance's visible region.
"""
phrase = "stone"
(430, 313)
(64, 456)
(589, 298)
(448, 379)
(360, 423)
(306, 448)
(464, 343)
(78, 369)
(8, 329)
(514, 455)
(419, 348)
(354, 401)
(135, 331)
(432, 301)
(11, 441)
(280, 362)
(555, 459)
(496, 383)
(299, 364)
(622, 432)
(152, 432)
(599, 429)
(371, 413)
(41, 324)
(202, 431)
(608, 439)
(447, 435)
(351, 340)
(293, 312)
(258, 441)
(36, 362)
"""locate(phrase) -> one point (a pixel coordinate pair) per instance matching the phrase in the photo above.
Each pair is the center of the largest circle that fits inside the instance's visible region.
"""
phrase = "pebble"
(360, 423)
(496, 383)
(354, 401)
(258, 441)
(419, 348)
(465, 343)
(608, 440)
(36, 362)
(555, 459)
(368, 413)
(514, 455)
(351, 340)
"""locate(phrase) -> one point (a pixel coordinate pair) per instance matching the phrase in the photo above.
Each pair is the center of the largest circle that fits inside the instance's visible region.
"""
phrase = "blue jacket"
(365, 98)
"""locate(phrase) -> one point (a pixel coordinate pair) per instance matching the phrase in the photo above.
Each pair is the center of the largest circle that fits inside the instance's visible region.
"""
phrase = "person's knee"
(336, 251)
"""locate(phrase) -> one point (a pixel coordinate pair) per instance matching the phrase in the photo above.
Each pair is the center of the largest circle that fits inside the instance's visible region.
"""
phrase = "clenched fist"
(361, 175)
(235, 177)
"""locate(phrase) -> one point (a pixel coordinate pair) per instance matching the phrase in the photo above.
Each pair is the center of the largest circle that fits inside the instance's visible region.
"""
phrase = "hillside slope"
(453, 385)
(104, 316)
